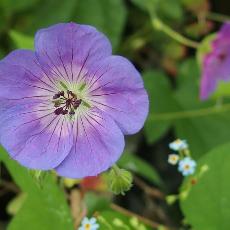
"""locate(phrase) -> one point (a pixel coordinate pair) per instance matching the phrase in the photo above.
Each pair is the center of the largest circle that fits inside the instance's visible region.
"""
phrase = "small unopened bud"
(171, 199)
(204, 168)
(119, 180)
(184, 194)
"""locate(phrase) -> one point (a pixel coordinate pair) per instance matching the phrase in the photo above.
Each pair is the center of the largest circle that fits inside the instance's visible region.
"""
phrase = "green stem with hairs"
(161, 26)
(190, 113)
(116, 169)
(217, 17)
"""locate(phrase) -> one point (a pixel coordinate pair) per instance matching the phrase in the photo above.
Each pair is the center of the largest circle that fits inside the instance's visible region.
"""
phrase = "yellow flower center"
(178, 141)
(87, 227)
(186, 167)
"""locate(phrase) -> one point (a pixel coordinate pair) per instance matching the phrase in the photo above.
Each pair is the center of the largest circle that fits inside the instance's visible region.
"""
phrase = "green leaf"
(110, 220)
(161, 101)
(96, 202)
(108, 16)
(22, 41)
(166, 9)
(14, 5)
(141, 167)
(45, 207)
(102, 14)
(49, 12)
(207, 205)
(170, 10)
(147, 5)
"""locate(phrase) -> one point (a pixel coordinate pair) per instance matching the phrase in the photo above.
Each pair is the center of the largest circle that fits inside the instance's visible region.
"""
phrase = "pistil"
(66, 103)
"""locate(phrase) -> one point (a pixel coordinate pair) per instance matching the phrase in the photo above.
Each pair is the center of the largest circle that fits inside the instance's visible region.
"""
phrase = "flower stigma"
(70, 98)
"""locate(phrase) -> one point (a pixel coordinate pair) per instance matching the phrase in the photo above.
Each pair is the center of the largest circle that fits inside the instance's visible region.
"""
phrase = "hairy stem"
(159, 25)
(217, 17)
(190, 113)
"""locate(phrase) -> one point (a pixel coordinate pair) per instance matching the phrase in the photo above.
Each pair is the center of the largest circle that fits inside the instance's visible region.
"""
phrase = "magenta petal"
(65, 46)
(38, 142)
(117, 88)
(207, 86)
(223, 36)
(216, 64)
(98, 145)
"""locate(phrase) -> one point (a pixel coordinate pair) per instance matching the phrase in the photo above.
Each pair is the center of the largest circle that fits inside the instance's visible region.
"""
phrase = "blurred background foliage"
(171, 75)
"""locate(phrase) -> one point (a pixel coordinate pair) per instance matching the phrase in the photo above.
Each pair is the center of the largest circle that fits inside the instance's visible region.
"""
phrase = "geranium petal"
(31, 73)
(68, 49)
(214, 70)
(98, 145)
(16, 83)
(37, 139)
(116, 87)
(222, 38)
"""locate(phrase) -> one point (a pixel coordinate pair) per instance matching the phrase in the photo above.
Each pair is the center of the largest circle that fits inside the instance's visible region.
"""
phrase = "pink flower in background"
(216, 64)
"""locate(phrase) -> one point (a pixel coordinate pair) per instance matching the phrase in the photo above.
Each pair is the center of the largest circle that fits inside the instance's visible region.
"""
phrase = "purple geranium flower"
(216, 64)
(68, 105)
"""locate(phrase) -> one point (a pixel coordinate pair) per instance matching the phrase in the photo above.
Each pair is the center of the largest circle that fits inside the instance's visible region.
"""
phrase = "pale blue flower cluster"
(186, 165)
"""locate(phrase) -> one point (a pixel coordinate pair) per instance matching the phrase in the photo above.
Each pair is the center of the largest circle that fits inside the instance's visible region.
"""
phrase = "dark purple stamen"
(64, 112)
(58, 111)
(71, 113)
(68, 103)
(77, 103)
(58, 95)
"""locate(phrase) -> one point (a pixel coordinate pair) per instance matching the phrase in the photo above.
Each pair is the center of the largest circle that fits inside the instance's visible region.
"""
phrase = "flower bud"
(119, 180)
(171, 199)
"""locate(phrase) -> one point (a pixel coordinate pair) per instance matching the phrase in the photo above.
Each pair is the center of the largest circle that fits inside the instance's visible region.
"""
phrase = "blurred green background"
(171, 74)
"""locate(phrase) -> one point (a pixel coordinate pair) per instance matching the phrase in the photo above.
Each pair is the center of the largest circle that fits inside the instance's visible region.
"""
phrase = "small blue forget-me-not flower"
(187, 166)
(178, 145)
(89, 224)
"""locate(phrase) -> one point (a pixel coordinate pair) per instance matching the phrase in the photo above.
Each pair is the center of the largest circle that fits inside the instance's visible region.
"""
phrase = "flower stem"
(217, 17)
(190, 113)
(116, 169)
(159, 25)
(131, 214)
(105, 222)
